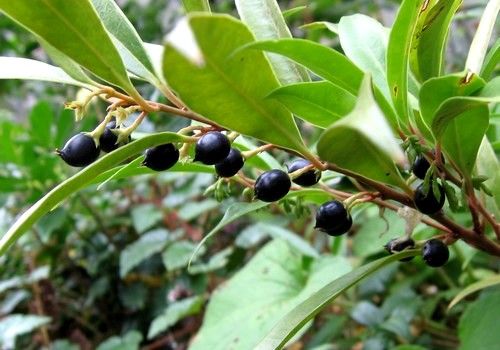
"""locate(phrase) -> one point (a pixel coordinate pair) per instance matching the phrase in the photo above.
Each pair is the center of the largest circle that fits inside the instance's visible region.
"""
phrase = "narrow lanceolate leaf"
(292, 322)
(398, 53)
(265, 20)
(328, 64)
(427, 52)
(229, 88)
(491, 61)
(352, 144)
(77, 182)
(28, 69)
(196, 5)
(73, 28)
(319, 103)
(474, 287)
(364, 41)
(487, 163)
(131, 47)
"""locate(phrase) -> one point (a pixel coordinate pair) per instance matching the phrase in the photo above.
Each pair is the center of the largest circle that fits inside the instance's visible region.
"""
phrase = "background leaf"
(15, 325)
(196, 5)
(265, 20)
(236, 98)
(474, 287)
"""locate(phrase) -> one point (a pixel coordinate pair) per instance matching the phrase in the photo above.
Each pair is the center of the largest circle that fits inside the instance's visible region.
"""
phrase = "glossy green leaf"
(28, 69)
(478, 327)
(148, 244)
(238, 316)
(66, 63)
(328, 64)
(266, 22)
(473, 288)
(174, 313)
(364, 41)
(292, 322)
(131, 47)
(398, 54)
(491, 61)
(73, 28)
(196, 5)
(437, 90)
(238, 82)
(77, 182)
(41, 119)
(427, 52)
(351, 142)
(319, 103)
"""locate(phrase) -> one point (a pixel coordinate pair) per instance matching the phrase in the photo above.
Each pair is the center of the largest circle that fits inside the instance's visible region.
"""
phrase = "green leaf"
(293, 321)
(478, 327)
(398, 53)
(352, 144)
(131, 48)
(491, 61)
(145, 216)
(129, 341)
(487, 163)
(319, 103)
(332, 27)
(238, 316)
(66, 63)
(238, 82)
(147, 245)
(75, 30)
(177, 255)
(364, 41)
(215, 262)
(27, 69)
(41, 119)
(327, 63)
(78, 181)
(174, 313)
(427, 52)
(193, 210)
(15, 325)
(265, 20)
(196, 5)
(474, 287)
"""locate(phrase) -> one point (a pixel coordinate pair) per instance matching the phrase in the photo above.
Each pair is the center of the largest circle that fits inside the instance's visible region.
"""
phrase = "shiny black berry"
(161, 157)
(308, 178)
(428, 203)
(333, 218)
(231, 164)
(421, 165)
(108, 139)
(212, 148)
(272, 185)
(435, 253)
(79, 151)
(397, 245)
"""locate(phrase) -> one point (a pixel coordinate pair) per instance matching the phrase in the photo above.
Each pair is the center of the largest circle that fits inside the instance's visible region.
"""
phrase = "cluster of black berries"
(81, 150)
(434, 252)
(426, 202)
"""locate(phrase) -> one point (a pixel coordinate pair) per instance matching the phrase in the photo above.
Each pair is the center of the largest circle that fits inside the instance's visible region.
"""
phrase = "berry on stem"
(397, 245)
(421, 165)
(108, 141)
(333, 218)
(427, 203)
(79, 151)
(435, 253)
(212, 148)
(272, 185)
(161, 157)
(231, 164)
(309, 178)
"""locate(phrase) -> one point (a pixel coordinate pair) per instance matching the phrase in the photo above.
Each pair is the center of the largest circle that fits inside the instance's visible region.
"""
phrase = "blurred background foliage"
(107, 269)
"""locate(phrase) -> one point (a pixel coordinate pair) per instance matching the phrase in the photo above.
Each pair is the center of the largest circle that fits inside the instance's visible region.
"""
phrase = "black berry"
(79, 151)
(308, 178)
(435, 253)
(428, 203)
(212, 148)
(272, 185)
(108, 139)
(397, 245)
(333, 218)
(161, 157)
(421, 165)
(231, 164)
